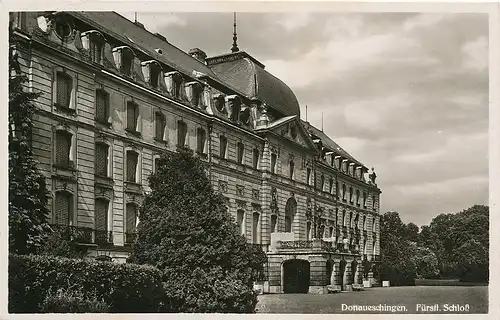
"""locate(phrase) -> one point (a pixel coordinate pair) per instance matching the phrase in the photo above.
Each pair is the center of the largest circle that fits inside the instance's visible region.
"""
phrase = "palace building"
(116, 96)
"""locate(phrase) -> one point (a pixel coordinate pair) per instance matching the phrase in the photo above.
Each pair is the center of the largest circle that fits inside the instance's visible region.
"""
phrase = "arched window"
(63, 208)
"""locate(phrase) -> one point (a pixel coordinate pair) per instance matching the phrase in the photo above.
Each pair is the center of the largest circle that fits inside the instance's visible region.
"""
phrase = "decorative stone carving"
(220, 103)
(240, 190)
(256, 207)
(373, 176)
(222, 186)
(256, 194)
(245, 115)
(241, 204)
(234, 107)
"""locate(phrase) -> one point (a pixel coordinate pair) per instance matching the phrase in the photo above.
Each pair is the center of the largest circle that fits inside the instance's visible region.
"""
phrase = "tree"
(411, 232)
(28, 195)
(472, 261)
(186, 231)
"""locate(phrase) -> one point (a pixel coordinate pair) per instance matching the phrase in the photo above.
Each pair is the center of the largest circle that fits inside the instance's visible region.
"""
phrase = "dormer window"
(195, 93)
(124, 59)
(173, 81)
(62, 28)
(220, 103)
(152, 72)
(93, 41)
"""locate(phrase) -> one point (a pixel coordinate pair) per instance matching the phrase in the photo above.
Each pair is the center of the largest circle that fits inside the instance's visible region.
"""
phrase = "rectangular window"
(159, 126)
(101, 159)
(132, 158)
(330, 185)
(181, 133)
(364, 199)
(63, 148)
(322, 183)
(132, 116)
(308, 176)
(101, 214)
(255, 228)
(255, 162)
(202, 138)
(273, 162)
(292, 169)
(131, 220)
(64, 86)
(101, 106)
(157, 164)
(223, 147)
(344, 192)
(63, 209)
(274, 220)
(240, 151)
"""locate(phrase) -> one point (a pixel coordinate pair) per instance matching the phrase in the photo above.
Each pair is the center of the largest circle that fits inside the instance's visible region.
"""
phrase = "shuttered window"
(63, 208)
(101, 159)
(131, 218)
(160, 125)
(132, 116)
(63, 148)
(101, 214)
(132, 166)
(64, 86)
(101, 106)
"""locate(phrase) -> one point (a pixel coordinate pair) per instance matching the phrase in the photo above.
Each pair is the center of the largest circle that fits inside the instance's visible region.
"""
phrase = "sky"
(406, 93)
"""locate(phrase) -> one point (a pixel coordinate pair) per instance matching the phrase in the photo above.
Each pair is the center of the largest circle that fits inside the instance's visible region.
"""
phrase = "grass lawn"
(408, 297)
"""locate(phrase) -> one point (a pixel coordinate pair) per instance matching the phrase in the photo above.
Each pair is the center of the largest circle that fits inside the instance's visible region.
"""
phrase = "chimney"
(198, 54)
(140, 25)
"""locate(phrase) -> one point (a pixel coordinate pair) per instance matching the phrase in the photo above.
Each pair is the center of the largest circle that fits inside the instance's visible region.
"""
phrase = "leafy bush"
(125, 287)
(72, 301)
(186, 231)
(57, 244)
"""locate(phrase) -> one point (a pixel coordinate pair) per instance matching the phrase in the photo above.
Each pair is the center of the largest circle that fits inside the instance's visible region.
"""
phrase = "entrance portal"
(296, 276)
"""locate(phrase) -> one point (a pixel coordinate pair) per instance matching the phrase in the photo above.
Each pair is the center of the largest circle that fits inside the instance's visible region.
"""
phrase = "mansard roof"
(249, 76)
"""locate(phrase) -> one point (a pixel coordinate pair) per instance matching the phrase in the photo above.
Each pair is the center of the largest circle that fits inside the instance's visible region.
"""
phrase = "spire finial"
(235, 37)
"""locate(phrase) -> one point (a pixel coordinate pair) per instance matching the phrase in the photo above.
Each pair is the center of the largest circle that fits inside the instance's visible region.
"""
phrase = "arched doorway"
(296, 276)
(290, 211)
(342, 267)
(354, 272)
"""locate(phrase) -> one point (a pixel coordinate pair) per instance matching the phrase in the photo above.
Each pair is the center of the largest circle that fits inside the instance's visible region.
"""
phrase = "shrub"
(57, 244)
(125, 287)
(185, 230)
(72, 301)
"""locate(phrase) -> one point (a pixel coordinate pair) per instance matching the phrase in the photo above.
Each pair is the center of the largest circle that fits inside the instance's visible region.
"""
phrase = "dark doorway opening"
(342, 268)
(329, 271)
(296, 276)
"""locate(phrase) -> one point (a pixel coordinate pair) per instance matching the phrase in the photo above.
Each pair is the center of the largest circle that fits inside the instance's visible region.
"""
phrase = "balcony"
(316, 245)
(300, 244)
(84, 235)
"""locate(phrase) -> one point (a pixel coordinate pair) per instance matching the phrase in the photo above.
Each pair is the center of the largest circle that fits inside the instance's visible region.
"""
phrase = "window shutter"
(64, 86)
(101, 214)
(63, 208)
(131, 166)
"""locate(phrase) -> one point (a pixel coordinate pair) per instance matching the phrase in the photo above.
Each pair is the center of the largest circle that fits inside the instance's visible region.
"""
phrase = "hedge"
(127, 288)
